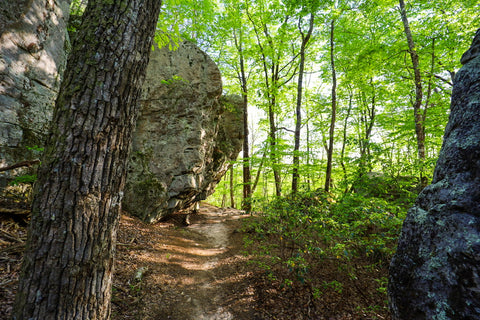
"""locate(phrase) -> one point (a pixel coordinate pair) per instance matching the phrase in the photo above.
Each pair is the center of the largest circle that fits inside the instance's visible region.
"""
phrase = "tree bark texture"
(328, 175)
(67, 268)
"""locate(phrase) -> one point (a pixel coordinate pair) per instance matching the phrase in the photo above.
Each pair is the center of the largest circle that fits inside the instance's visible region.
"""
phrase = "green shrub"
(299, 231)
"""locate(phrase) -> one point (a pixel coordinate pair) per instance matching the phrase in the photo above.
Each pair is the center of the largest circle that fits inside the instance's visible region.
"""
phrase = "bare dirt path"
(170, 271)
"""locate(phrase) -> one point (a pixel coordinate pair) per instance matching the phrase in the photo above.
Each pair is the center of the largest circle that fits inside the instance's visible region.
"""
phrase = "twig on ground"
(10, 236)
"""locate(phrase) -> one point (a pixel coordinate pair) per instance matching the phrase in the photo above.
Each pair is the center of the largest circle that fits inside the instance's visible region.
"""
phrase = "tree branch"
(26, 163)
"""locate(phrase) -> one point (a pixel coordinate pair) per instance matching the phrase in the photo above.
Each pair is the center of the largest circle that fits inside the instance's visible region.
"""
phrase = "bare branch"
(27, 163)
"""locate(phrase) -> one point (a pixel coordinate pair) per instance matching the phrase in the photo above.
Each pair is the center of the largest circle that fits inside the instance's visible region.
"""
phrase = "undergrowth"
(296, 238)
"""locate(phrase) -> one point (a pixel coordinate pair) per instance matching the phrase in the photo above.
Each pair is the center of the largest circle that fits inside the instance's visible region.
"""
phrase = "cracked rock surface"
(435, 273)
(185, 136)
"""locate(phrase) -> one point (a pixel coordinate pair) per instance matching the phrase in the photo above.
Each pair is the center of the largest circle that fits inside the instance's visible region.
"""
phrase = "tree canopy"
(392, 86)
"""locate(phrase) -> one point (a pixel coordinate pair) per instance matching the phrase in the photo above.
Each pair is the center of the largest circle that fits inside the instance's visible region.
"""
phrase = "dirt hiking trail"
(172, 271)
(201, 272)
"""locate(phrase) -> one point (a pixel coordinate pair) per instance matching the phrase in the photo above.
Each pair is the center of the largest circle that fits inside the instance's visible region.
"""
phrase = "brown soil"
(201, 271)
(190, 272)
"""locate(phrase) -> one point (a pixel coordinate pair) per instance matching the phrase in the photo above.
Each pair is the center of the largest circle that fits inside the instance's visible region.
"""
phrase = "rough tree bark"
(67, 269)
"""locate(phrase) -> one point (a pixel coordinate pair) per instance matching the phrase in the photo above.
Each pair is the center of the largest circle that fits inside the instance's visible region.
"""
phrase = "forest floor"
(200, 271)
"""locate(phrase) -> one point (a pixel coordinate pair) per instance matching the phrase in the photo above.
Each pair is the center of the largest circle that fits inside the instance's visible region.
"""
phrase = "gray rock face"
(435, 273)
(32, 58)
(184, 134)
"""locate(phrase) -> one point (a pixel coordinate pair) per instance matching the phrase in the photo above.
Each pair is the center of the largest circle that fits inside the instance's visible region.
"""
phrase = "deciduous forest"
(345, 105)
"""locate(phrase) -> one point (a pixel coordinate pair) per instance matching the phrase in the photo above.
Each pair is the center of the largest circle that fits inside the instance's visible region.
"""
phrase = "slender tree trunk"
(298, 111)
(309, 174)
(417, 105)
(272, 86)
(259, 171)
(368, 111)
(224, 200)
(67, 268)
(232, 189)
(273, 148)
(328, 175)
(247, 179)
(344, 142)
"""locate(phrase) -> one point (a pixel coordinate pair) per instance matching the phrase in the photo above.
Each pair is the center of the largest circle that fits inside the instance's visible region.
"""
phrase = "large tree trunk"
(328, 175)
(67, 269)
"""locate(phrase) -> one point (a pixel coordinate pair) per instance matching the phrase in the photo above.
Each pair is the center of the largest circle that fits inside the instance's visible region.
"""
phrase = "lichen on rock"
(186, 133)
(435, 273)
(33, 42)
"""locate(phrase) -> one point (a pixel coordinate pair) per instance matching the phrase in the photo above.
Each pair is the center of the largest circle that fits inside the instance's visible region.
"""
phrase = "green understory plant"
(296, 236)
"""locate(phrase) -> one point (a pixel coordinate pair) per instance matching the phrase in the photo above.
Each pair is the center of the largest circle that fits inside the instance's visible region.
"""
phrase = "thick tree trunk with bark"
(67, 269)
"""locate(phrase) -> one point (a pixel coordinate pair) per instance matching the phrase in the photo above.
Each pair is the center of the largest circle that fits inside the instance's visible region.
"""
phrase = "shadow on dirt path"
(166, 271)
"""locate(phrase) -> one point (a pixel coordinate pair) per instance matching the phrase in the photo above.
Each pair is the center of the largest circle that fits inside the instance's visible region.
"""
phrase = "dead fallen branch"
(26, 163)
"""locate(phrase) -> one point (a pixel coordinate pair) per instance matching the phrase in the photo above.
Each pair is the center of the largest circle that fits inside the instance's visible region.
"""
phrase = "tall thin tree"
(419, 116)
(242, 76)
(328, 175)
(298, 109)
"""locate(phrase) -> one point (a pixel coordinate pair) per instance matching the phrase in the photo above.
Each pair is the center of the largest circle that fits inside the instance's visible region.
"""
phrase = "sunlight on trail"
(195, 272)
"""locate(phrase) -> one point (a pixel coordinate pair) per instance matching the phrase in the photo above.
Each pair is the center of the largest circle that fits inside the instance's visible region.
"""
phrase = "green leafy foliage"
(24, 179)
(294, 235)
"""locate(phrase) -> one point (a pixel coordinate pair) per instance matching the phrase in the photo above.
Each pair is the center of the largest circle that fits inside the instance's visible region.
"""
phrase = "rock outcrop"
(435, 273)
(185, 134)
(32, 58)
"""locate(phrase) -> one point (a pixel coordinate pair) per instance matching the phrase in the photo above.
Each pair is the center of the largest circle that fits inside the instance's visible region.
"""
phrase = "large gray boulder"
(435, 273)
(32, 58)
(185, 134)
